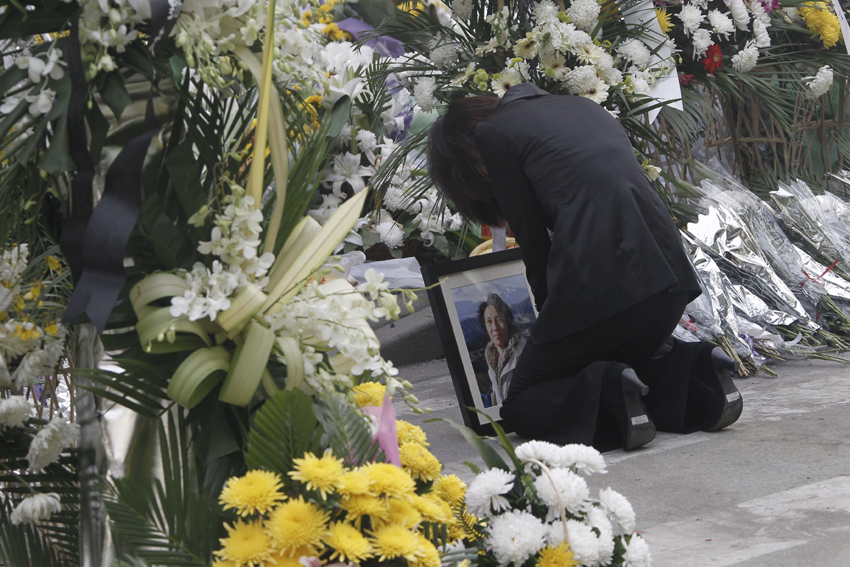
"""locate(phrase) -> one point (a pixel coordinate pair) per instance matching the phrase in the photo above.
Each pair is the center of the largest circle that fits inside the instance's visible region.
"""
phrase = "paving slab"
(773, 490)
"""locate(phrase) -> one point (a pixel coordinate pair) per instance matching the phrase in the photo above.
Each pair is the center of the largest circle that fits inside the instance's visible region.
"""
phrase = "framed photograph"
(484, 311)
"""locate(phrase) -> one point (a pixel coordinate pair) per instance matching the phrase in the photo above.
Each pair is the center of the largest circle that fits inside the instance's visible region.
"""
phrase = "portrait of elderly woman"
(505, 346)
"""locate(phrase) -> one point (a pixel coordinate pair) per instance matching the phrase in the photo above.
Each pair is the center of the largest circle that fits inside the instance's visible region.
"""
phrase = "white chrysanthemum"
(462, 9)
(761, 35)
(581, 458)
(820, 83)
(739, 14)
(721, 23)
(345, 134)
(759, 13)
(390, 234)
(691, 17)
(515, 536)
(14, 411)
(48, 443)
(443, 55)
(395, 199)
(485, 492)
(598, 519)
(636, 553)
(584, 14)
(746, 59)
(619, 509)
(507, 79)
(582, 539)
(366, 140)
(702, 41)
(635, 51)
(424, 93)
(36, 508)
(582, 79)
(639, 85)
(544, 451)
(545, 12)
(571, 488)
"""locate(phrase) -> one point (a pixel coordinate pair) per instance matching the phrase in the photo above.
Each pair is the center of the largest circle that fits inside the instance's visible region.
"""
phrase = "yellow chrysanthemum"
(307, 18)
(664, 20)
(349, 545)
(255, 493)
(364, 505)
(390, 480)
(246, 544)
(822, 22)
(450, 488)
(419, 462)
(433, 508)
(333, 32)
(409, 433)
(223, 564)
(559, 556)
(296, 524)
(393, 541)
(322, 474)
(354, 483)
(412, 7)
(428, 554)
(369, 394)
(399, 512)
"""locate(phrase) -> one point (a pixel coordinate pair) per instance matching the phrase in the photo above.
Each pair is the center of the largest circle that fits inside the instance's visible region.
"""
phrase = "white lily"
(347, 169)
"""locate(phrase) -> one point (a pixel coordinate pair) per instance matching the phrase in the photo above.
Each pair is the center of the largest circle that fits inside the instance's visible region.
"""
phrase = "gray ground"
(772, 490)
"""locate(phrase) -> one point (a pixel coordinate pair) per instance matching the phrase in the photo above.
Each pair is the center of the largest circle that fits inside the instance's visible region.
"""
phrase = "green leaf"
(506, 443)
(487, 452)
(347, 432)
(16, 24)
(339, 116)
(56, 159)
(284, 429)
(115, 94)
(185, 173)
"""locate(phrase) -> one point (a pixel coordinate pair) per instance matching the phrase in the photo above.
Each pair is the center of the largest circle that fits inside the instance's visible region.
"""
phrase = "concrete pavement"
(772, 490)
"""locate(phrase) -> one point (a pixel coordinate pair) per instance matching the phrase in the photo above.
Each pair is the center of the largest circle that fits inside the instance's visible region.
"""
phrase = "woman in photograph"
(505, 346)
(604, 260)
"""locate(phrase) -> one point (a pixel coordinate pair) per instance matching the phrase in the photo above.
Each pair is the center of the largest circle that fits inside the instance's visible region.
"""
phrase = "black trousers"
(562, 391)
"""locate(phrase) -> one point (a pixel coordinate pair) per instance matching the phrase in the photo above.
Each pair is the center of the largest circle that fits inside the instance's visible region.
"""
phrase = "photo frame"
(482, 335)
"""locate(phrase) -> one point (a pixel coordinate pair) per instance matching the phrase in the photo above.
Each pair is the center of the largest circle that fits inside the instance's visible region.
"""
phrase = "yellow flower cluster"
(822, 22)
(369, 394)
(334, 513)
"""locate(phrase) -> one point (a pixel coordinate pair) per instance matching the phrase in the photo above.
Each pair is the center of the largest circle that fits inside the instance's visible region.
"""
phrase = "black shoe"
(637, 429)
(732, 402)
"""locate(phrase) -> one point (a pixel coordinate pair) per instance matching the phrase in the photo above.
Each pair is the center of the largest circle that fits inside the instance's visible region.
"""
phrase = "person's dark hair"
(455, 165)
(502, 309)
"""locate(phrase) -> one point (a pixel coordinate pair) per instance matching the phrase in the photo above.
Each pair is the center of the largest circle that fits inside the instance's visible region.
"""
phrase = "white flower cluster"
(334, 316)
(235, 239)
(593, 527)
(706, 28)
(819, 84)
(41, 68)
(32, 350)
(14, 411)
(49, 443)
(567, 53)
(36, 508)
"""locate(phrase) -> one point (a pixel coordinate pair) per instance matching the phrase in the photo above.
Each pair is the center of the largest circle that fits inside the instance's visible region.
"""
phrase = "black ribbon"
(97, 241)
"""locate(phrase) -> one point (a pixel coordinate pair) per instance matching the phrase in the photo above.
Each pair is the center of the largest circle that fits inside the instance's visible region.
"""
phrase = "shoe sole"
(734, 405)
(640, 430)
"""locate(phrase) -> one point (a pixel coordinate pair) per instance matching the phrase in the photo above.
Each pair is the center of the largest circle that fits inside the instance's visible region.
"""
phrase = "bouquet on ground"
(540, 511)
(342, 501)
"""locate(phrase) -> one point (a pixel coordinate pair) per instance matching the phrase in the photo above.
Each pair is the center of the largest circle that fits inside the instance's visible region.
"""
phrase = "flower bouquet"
(539, 511)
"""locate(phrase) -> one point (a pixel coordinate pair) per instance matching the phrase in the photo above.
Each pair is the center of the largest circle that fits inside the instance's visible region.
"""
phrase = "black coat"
(563, 164)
